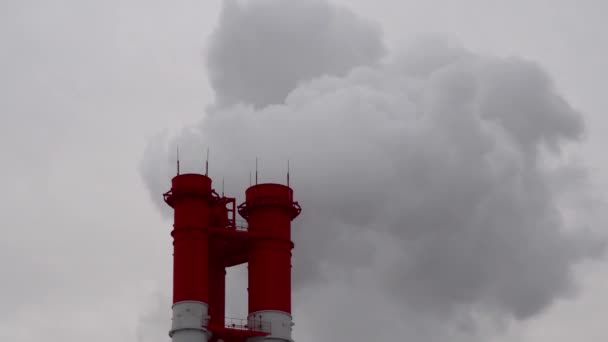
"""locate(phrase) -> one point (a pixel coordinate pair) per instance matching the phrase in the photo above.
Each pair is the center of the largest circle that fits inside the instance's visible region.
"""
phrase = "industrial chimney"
(207, 240)
(269, 210)
(190, 197)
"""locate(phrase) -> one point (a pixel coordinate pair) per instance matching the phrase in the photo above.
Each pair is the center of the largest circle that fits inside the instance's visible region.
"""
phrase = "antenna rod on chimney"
(207, 163)
(178, 160)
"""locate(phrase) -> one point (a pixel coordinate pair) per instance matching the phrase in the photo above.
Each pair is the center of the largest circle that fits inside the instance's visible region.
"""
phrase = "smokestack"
(269, 210)
(189, 197)
(207, 240)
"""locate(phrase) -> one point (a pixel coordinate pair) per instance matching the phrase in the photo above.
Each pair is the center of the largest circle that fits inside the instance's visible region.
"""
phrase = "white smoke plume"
(425, 176)
(314, 38)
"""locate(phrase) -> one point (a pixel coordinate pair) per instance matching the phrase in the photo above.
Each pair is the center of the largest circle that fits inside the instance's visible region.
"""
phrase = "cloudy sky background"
(90, 90)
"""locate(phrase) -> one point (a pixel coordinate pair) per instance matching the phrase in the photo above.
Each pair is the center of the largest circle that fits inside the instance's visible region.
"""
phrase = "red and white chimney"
(207, 240)
(269, 210)
(189, 196)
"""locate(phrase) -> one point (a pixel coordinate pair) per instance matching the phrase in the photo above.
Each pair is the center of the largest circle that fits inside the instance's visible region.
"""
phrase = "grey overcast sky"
(449, 157)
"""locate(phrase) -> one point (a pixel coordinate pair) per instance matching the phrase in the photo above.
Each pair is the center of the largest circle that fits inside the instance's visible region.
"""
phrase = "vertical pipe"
(217, 290)
(189, 197)
(269, 210)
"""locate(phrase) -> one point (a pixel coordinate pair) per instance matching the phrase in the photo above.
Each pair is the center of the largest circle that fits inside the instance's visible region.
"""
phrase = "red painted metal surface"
(208, 238)
(217, 289)
(269, 210)
(189, 197)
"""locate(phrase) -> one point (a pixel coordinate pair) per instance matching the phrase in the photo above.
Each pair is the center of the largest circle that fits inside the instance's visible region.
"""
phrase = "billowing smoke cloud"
(428, 172)
(264, 49)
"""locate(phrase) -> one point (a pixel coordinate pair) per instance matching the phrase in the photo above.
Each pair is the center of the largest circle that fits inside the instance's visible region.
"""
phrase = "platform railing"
(240, 225)
(247, 324)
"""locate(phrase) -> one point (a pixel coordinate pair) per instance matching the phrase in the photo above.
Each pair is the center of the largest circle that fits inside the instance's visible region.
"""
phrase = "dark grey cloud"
(426, 173)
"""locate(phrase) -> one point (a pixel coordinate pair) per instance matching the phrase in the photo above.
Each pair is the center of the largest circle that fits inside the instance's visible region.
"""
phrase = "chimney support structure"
(207, 240)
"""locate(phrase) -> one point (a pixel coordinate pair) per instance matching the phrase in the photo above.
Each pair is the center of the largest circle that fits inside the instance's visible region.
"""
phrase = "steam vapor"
(425, 172)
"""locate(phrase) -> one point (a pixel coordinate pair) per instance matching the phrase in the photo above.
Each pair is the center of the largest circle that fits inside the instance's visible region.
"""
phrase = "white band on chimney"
(280, 324)
(190, 319)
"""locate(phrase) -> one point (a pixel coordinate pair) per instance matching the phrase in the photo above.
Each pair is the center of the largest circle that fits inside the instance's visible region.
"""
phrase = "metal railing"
(240, 225)
(247, 324)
